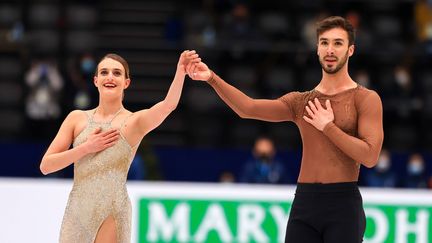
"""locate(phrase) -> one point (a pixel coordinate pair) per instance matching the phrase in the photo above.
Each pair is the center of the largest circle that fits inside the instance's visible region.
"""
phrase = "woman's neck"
(106, 109)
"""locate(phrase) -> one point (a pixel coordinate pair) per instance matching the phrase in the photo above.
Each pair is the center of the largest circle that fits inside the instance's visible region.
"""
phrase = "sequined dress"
(99, 190)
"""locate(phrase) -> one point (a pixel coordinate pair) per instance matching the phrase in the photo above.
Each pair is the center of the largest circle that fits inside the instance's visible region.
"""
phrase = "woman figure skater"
(104, 141)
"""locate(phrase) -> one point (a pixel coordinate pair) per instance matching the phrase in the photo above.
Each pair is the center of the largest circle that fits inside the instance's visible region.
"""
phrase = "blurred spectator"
(42, 105)
(403, 105)
(45, 84)
(309, 29)
(406, 98)
(264, 167)
(237, 23)
(199, 28)
(423, 18)
(226, 177)
(415, 177)
(16, 34)
(80, 72)
(238, 30)
(363, 36)
(13, 35)
(382, 175)
(11, 27)
(362, 78)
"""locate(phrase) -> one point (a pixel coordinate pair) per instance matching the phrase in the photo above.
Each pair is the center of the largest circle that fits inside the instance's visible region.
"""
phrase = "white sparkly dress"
(99, 189)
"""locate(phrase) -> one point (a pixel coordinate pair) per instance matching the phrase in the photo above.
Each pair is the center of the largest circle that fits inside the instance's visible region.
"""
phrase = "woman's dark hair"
(117, 58)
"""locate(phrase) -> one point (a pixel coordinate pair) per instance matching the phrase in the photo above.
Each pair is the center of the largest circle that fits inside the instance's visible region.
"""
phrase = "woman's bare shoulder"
(77, 115)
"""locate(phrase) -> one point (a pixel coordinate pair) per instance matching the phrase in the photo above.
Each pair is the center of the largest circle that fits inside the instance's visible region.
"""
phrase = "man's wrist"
(211, 79)
(328, 126)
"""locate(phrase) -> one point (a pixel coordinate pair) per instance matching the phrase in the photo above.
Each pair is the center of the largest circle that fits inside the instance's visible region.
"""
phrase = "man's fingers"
(328, 105)
(194, 70)
(309, 111)
(191, 69)
(307, 119)
(317, 104)
(312, 106)
(202, 65)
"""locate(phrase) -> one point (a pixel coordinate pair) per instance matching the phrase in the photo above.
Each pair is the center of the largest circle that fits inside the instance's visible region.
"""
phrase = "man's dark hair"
(336, 22)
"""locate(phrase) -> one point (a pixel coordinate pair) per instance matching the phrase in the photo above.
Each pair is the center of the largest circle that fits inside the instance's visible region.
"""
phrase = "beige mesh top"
(355, 136)
(333, 155)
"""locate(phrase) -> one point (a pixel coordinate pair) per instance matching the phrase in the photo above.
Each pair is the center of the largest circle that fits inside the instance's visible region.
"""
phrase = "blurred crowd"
(49, 49)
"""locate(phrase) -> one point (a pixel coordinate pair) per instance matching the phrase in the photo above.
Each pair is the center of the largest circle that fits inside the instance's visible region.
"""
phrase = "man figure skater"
(340, 123)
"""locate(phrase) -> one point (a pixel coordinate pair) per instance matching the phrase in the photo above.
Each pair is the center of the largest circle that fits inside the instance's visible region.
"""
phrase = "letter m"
(161, 225)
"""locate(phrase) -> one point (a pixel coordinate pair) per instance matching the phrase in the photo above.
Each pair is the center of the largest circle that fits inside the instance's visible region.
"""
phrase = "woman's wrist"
(181, 71)
(83, 149)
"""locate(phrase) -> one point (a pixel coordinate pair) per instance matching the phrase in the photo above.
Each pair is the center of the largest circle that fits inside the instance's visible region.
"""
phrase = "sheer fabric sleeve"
(366, 147)
(273, 110)
(291, 101)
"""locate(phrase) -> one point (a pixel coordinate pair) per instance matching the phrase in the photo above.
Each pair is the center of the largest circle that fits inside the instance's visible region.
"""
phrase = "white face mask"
(383, 164)
(363, 79)
(415, 167)
(402, 78)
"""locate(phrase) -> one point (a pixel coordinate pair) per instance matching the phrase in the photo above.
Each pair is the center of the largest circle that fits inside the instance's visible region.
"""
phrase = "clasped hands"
(190, 63)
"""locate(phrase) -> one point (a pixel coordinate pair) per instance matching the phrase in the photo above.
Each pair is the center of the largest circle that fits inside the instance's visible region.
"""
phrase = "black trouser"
(326, 213)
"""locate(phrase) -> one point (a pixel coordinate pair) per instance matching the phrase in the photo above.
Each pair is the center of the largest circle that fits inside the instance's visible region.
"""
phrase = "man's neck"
(335, 83)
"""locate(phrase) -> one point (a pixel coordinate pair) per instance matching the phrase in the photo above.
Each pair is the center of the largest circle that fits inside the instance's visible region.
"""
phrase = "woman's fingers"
(112, 139)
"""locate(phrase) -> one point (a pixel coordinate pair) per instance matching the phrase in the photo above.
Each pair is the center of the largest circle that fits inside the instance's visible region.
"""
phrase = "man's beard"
(329, 70)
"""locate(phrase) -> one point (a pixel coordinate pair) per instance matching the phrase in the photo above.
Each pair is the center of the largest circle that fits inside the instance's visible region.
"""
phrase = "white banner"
(31, 210)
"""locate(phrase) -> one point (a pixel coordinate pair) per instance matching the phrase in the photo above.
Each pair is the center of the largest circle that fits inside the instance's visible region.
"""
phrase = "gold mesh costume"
(99, 190)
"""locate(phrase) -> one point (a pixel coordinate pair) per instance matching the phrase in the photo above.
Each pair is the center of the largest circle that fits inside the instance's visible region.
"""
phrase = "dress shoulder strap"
(121, 133)
(115, 115)
(125, 120)
(93, 112)
(89, 114)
